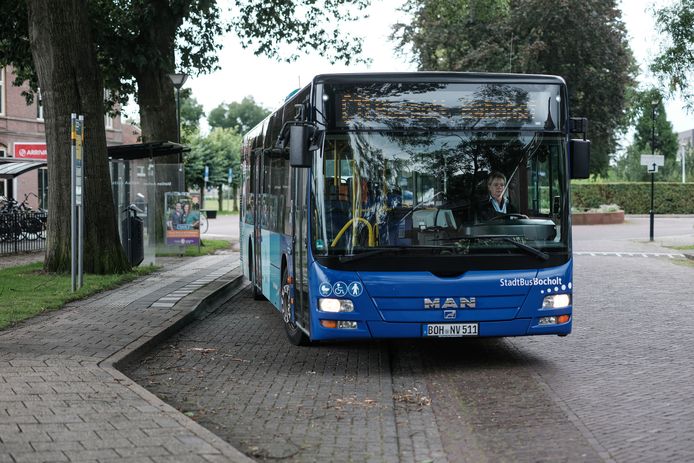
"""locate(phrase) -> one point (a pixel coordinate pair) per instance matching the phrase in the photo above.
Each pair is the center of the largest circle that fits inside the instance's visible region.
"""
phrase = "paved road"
(225, 227)
(620, 388)
(634, 234)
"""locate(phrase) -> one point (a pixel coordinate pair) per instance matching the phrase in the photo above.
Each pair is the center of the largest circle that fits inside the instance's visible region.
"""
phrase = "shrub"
(635, 198)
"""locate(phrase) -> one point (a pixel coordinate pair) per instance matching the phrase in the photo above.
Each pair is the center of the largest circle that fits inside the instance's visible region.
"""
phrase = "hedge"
(635, 198)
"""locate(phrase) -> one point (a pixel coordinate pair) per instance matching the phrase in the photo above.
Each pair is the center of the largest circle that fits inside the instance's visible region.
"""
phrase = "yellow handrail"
(372, 239)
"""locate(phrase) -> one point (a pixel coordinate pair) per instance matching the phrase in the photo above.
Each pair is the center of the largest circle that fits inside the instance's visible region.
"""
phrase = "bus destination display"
(459, 108)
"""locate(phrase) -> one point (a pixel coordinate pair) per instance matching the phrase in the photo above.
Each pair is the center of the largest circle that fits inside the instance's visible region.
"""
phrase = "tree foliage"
(675, 63)
(240, 116)
(583, 42)
(191, 112)
(133, 45)
(139, 42)
(219, 150)
(456, 35)
(653, 135)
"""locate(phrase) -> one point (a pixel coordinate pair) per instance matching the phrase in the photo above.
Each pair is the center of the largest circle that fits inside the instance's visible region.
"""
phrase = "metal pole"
(652, 218)
(178, 115)
(181, 178)
(73, 207)
(80, 210)
(652, 191)
(684, 152)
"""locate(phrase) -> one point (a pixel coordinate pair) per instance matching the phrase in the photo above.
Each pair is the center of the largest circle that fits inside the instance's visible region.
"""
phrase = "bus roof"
(434, 76)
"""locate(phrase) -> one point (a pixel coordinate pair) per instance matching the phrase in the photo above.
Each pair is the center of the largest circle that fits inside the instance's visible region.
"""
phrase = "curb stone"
(197, 305)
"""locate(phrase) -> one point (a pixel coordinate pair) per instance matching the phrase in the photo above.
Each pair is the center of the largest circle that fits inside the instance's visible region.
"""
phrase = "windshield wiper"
(384, 249)
(509, 239)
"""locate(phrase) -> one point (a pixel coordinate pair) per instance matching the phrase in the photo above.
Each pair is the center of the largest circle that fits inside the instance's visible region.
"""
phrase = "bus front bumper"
(382, 329)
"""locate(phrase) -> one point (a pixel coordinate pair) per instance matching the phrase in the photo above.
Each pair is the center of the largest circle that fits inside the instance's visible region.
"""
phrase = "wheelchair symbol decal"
(340, 289)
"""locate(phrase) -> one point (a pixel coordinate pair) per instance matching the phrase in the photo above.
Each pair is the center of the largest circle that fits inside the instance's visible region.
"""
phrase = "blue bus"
(423, 204)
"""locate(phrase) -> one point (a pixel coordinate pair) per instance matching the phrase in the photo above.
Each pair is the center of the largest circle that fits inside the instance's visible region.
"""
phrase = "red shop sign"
(30, 151)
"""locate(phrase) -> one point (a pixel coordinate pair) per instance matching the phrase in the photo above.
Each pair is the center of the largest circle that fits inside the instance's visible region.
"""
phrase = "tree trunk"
(155, 96)
(157, 106)
(155, 92)
(234, 202)
(70, 80)
(220, 198)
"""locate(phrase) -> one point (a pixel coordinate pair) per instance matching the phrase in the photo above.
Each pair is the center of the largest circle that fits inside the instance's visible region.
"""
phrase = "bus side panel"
(271, 257)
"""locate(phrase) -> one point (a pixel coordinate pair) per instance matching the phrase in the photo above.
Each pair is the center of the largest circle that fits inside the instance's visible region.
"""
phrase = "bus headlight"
(556, 301)
(335, 305)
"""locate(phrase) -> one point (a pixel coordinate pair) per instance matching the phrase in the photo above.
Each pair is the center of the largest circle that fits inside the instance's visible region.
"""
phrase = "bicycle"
(32, 222)
(20, 221)
(204, 224)
(10, 226)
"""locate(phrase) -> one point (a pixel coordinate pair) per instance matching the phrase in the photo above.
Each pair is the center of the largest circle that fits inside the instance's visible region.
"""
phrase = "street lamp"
(654, 105)
(178, 80)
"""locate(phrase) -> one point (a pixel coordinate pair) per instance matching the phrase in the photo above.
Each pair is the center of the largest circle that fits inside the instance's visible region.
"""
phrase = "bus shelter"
(11, 170)
(141, 175)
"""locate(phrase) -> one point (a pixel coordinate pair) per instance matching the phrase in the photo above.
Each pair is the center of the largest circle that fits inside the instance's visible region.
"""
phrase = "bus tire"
(257, 293)
(295, 335)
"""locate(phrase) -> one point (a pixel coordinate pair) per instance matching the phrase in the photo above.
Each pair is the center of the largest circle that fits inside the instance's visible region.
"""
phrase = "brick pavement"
(409, 401)
(237, 375)
(617, 389)
(61, 399)
(625, 372)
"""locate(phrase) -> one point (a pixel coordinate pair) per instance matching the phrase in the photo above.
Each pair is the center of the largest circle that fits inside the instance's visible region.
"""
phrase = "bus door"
(259, 200)
(299, 178)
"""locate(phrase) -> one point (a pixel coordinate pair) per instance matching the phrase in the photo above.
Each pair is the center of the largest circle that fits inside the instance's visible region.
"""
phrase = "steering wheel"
(512, 215)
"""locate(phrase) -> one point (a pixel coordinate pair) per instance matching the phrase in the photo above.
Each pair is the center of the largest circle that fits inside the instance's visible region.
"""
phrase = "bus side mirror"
(299, 154)
(579, 150)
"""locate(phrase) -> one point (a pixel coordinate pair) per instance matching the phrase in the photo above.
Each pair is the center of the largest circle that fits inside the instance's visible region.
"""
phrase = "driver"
(496, 203)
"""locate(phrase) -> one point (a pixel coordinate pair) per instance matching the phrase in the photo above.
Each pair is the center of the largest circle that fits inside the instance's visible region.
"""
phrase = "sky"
(269, 82)
(645, 44)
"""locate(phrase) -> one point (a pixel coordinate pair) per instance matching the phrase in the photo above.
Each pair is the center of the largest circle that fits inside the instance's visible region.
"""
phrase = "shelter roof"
(11, 169)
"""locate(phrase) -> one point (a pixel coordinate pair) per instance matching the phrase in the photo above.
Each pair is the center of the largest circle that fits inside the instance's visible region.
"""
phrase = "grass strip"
(207, 247)
(27, 290)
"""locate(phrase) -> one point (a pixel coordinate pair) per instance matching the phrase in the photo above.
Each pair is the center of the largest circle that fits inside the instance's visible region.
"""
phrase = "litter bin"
(211, 214)
(134, 236)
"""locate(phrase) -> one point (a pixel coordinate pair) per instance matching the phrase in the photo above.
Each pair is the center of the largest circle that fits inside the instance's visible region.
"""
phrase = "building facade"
(22, 138)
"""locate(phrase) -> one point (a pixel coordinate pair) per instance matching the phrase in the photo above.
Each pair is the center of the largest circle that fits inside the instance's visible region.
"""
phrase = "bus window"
(544, 180)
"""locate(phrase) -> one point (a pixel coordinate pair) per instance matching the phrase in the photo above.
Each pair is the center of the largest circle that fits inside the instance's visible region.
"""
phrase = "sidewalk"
(61, 398)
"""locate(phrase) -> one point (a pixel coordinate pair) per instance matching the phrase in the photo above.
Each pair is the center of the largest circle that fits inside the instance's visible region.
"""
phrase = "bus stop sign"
(652, 161)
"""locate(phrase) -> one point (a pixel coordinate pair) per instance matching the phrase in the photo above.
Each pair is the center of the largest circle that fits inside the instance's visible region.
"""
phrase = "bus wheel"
(257, 293)
(294, 333)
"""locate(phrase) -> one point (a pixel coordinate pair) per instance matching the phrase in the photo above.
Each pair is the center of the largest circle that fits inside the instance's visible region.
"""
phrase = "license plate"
(451, 329)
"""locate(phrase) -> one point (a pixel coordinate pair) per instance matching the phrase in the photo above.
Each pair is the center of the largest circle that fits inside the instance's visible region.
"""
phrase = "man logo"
(450, 303)
(449, 314)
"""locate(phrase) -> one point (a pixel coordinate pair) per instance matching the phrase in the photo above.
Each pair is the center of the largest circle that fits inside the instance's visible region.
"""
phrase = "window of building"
(39, 105)
(3, 152)
(43, 188)
(2, 91)
(108, 120)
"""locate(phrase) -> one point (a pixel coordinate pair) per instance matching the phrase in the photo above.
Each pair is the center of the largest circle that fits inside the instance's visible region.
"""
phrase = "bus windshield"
(433, 192)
